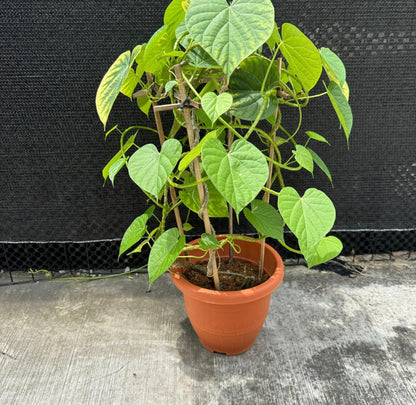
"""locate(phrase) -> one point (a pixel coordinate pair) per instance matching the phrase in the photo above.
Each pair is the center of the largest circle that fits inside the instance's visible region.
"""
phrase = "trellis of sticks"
(183, 101)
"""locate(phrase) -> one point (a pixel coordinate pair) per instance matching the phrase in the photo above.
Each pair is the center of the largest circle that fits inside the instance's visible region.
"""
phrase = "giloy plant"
(228, 73)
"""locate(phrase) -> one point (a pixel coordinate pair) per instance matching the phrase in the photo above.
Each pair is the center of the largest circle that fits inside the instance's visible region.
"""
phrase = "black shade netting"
(54, 54)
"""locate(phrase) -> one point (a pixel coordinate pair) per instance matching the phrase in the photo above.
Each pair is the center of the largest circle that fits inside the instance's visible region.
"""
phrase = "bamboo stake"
(230, 208)
(162, 139)
(212, 268)
(269, 183)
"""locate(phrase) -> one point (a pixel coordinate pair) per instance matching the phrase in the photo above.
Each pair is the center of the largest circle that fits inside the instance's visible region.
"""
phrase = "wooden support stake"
(212, 268)
(230, 208)
(162, 138)
(269, 183)
(166, 107)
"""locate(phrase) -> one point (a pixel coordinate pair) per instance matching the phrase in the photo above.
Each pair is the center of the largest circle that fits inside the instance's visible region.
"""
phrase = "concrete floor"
(328, 339)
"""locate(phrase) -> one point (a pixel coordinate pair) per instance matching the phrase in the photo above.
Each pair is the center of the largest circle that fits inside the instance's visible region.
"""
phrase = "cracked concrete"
(328, 339)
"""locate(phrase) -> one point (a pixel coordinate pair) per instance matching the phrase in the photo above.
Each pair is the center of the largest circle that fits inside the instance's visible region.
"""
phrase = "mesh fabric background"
(52, 151)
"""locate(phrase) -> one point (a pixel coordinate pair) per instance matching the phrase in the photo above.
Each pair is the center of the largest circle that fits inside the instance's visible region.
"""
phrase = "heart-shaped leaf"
(245, 87)
(238, 175)
(304, 158)
(150, 169)
(214, 106)
(309, 217)
(230, 32)
(302, 56)
(341, 107)
(135, 231)
(265, 219)
(164, 252)
(325, 250)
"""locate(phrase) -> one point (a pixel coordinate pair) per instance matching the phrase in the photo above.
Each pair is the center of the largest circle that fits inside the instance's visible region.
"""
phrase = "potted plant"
(228, 73)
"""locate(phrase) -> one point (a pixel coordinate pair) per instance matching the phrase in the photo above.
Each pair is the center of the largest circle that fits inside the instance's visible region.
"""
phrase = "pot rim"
(234, 297)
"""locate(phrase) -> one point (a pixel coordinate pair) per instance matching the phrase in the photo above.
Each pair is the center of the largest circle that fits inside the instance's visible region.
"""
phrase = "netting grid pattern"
(53, 149)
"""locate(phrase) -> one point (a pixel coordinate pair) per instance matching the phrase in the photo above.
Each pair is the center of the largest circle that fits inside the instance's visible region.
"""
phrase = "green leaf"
(203, 117)
(238, 175)
(150, 169)
(328, 248)
(197, 57)
(135, 231)
(217, 206)
(130, 83)
(214, 106)
(144, 103)
(230, 32)
(341, 107)
(208, 241)
(345, 90)
(174, 14)
(265, 219)
(139, 59)
(111, 85)
(274, 39)
(321, 164)
(309, 217)
(333, 66)
(304, 158)
(136, 52)
(316, 137)
(335, 70)
(187, 227)
(115, 168)
(170, 85)
(159, 44)
(302, 56)
(117, 156)
(164, 252)
(195, 152)
(245, 87)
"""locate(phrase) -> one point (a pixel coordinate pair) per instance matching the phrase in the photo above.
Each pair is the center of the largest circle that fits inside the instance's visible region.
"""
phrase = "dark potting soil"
(234, 275)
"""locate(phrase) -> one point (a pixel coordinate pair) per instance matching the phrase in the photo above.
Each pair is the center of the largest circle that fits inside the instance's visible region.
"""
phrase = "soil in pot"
(235, 275)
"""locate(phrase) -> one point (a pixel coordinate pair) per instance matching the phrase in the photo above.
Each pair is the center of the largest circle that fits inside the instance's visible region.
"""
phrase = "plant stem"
(309, 97)
(150, 197)
(228, 126)
(162, 139)
(268, 191)
(260, 113)
(269, 68)
(289, 248)
(212, 268)
(194, 183)
(165, 212)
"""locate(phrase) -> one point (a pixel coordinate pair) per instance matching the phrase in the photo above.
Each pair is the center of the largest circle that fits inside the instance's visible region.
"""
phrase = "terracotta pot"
(229, 321)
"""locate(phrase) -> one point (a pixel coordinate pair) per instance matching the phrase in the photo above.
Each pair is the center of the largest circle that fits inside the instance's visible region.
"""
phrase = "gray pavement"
(328, 339)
